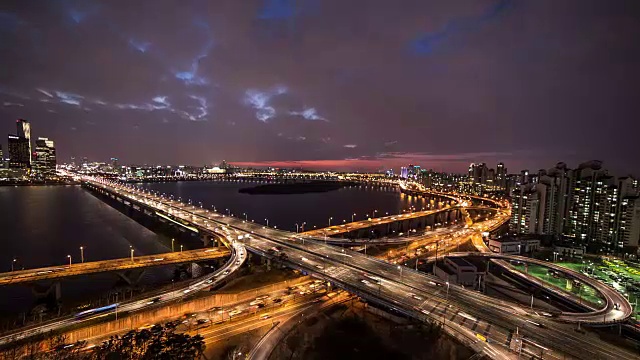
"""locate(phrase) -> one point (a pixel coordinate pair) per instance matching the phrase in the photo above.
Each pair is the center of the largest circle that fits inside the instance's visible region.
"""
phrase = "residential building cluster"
(112, 168)
(480, 180)
(585, 206)
(23, 161)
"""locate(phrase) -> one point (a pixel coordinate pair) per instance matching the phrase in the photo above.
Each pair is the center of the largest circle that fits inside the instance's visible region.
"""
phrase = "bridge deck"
(54, 272)
(358, 225)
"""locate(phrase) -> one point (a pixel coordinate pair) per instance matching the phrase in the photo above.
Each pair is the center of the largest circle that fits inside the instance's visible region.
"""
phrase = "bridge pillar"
(196, 270)
(131, 277)
(53, 290)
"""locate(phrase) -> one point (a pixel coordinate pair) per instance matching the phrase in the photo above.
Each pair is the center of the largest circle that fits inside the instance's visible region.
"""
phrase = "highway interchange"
(415, 294)
(486, 324)
(151, 299)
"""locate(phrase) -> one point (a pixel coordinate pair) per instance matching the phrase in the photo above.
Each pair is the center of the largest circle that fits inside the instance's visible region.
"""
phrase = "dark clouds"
(376, 82)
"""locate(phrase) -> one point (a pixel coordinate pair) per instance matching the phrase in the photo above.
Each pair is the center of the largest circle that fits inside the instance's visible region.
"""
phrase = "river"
(41, 225)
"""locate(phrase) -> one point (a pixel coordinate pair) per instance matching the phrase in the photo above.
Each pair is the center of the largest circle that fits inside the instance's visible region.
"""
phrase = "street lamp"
(181, 246)
(132, 250)
(352, 217)
(245, 216)
(297, 228)
(330, 218)
(12, 263)
(172, 241)
(267, 220)
(447, 290)
(400, 268)
(81, 253)
(69, 256)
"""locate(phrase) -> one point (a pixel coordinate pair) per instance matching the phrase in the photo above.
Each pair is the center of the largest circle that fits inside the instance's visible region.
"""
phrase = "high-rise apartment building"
(45, 161)
(501, 176)
(24, 131)
(586, 181)
(557, 181)
(19, 156)
(629, 222)
(585, 205)
(478, 173)
(528, 209)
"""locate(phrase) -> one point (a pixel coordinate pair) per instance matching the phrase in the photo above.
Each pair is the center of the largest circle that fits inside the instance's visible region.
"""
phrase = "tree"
(160, 342)
(294, 342)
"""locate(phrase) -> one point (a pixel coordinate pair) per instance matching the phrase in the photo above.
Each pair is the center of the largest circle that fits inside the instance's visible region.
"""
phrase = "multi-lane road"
(400, 288)
(55, 272)
(151, 299)
(364, 224)
(616, 307)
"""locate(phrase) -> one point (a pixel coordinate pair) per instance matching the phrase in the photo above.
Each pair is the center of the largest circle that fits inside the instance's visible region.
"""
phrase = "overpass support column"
(131, 277)
(54, 289)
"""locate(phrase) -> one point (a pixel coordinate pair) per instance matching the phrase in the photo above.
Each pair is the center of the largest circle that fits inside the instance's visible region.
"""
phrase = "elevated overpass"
(616, 306)
(360, 232)
(389, 224)
(238, 256)
(399, 288)
(77, 269)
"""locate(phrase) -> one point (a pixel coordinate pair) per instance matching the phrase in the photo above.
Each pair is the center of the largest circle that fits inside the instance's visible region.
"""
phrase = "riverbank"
(38, 183)
(296, 188)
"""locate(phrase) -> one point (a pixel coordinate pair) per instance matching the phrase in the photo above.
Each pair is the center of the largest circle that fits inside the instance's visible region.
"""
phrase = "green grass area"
(623, 276)
(584, 291)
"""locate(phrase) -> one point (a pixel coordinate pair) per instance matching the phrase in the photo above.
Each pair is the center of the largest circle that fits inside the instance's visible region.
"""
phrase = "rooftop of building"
(459, 261)
(444, 267)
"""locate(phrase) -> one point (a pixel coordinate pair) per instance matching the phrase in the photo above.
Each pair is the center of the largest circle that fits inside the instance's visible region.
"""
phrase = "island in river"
(296, 188)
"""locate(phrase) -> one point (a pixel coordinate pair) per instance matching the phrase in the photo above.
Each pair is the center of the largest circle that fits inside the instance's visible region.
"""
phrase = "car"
(153, 301)
(416, 297)
(319, 267)
(235, 312)
(238, 262)
(262, 297)
(278, 300)
(256, 302)
(226, 272)
(265, 316)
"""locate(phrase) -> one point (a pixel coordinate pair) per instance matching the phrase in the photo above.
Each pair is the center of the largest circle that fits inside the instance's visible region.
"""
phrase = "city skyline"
(269, 84)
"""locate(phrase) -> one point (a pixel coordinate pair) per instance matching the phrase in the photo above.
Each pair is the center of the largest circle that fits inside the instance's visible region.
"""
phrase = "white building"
(459, 271)
(511, 246)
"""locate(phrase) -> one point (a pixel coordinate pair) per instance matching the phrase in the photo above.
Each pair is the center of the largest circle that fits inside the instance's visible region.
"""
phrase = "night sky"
(342, 84)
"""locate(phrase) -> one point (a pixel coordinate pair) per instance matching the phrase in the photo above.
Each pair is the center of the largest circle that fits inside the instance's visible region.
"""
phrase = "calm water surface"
(40, 226)
(284, 211)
